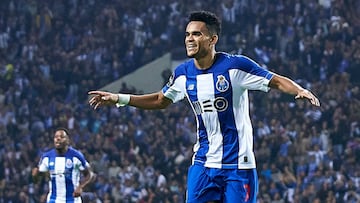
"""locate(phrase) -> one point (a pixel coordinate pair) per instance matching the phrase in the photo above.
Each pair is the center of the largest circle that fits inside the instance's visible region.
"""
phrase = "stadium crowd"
(53, 52)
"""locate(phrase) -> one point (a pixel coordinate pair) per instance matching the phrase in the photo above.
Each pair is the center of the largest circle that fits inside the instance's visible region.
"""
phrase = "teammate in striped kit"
(216, 85)
(63, 166)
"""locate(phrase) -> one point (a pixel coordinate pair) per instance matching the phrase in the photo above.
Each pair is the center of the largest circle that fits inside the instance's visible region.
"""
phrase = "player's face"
(197, 40)
(61, 139)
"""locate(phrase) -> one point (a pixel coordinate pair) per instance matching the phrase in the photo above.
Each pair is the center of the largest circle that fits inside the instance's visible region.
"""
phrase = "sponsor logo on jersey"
(219, 104)
(191, 87)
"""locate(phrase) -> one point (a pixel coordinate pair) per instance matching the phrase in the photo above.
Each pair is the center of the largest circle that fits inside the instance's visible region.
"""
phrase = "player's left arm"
(88, 177)
(289, 86)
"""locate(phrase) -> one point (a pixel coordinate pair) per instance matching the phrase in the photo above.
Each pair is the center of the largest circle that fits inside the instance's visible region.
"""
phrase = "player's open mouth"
(190, 46)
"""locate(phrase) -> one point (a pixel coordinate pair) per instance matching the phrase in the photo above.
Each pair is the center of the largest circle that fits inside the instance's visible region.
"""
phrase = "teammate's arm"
(89, 176)
(38, 175)
(288, 86)
(147, 101)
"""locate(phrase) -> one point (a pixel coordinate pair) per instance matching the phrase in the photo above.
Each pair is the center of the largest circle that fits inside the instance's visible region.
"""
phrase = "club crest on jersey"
(222, 84)
(69, 163)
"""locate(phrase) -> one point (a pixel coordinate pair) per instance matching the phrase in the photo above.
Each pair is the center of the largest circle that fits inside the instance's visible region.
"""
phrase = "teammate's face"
(197, 40)
(61, 139)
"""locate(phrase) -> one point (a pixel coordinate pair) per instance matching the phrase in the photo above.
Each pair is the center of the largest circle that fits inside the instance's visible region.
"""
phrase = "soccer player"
(63, 165)
(216, 84)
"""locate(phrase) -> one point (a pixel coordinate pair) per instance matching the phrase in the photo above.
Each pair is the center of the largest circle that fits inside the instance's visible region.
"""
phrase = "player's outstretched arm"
(147, 101)
(286, 85)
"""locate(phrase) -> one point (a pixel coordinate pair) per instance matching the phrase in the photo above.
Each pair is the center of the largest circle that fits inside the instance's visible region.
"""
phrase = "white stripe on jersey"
(60, 178)
(242, 118)
(205, 87)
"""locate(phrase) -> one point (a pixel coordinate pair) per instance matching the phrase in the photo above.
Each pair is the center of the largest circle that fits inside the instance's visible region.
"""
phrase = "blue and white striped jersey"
(64, 174)
(219, 99)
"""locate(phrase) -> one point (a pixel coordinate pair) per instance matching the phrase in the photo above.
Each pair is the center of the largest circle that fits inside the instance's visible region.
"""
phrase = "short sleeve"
(43, 164)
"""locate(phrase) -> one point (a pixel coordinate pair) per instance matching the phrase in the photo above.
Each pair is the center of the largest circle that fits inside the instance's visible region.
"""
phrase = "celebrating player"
(216, 84)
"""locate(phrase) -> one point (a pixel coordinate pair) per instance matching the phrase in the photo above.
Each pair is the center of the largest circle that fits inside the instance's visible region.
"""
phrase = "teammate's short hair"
(63, 129)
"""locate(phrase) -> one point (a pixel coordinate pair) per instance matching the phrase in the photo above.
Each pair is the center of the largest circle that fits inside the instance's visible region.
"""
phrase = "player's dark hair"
(211, 21)
(63, 129)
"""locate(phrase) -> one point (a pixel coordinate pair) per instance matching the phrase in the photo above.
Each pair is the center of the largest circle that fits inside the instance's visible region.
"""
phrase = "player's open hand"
(308, 95)
(35, 171)
(77, 192)
(101, 98)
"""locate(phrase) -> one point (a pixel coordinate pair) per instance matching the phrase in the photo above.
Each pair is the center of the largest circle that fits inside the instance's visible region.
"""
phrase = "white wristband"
(123, 99)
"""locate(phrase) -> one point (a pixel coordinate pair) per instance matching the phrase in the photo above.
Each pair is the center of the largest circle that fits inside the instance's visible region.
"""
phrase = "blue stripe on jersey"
(227, 124)
(68, 177)
(53, 177)
(202, 134)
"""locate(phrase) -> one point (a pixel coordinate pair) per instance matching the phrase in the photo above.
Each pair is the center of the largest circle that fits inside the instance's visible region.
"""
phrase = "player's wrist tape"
(123, 100)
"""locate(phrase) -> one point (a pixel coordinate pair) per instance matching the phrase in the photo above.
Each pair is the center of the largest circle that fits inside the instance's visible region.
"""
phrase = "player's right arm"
(147, 101)
(37, 175)
(41, 170)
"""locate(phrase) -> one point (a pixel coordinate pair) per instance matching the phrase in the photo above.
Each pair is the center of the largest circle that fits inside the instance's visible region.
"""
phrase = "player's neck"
(205, 62)
(62, 151)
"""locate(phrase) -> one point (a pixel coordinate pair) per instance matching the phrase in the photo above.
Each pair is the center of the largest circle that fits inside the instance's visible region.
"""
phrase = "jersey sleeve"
(175, 88)
(83, 163)
(43, 164)
(251, 75)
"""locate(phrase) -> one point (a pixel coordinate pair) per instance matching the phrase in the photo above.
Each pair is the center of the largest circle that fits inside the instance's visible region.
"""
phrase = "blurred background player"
(63, 166)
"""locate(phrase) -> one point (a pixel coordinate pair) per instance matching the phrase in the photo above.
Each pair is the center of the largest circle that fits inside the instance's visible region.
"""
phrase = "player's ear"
(214, 39)
(68, 141)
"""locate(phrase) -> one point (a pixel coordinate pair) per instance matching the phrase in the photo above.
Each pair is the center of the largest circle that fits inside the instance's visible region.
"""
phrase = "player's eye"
(187, 34)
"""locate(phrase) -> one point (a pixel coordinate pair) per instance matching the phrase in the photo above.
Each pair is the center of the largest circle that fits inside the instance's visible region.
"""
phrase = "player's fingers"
(97, 104)
(96, 92)
(94, 100)
(93, 104)
(316, 101)
(313, 100)
(300, 96)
